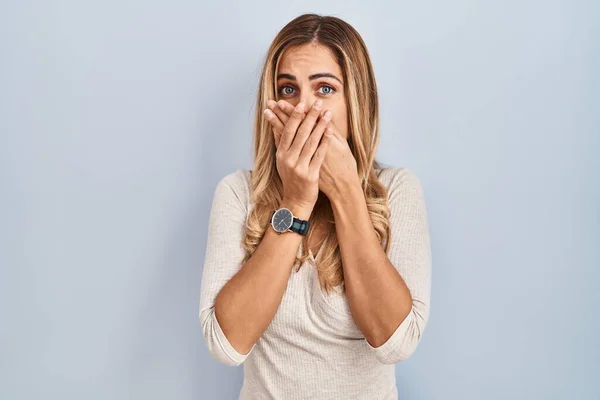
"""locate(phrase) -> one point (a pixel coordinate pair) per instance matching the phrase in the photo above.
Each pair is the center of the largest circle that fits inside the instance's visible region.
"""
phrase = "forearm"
(247, 303)
(377, 295)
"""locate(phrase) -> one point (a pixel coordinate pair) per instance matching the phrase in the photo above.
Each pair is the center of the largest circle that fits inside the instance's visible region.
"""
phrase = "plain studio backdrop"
(118, 118)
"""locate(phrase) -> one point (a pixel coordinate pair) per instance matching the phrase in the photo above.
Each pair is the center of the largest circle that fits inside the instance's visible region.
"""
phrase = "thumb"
(277, 137)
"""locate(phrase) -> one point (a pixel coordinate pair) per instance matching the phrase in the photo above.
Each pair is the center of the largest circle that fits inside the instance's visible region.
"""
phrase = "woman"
(317, 270)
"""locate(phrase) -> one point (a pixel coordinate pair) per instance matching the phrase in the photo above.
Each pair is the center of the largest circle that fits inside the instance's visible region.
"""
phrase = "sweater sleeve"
(223, 256)
(410, 253)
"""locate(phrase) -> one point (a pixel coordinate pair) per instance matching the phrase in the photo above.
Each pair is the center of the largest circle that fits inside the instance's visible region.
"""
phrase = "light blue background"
(117, 119)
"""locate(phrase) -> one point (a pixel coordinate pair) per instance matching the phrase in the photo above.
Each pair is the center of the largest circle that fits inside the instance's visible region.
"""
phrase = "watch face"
(282, 220)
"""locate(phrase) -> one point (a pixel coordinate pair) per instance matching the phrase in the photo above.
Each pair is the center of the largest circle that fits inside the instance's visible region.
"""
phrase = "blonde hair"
(363, 137)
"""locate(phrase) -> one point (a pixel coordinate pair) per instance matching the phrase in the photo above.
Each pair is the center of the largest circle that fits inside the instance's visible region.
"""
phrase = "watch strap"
(300, 226)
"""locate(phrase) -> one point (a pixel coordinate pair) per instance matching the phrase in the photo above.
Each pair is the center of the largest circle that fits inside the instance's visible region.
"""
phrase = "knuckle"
(284, 105)
(299, 172)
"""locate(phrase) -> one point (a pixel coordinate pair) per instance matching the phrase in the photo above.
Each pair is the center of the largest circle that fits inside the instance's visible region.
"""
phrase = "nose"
(308, 100)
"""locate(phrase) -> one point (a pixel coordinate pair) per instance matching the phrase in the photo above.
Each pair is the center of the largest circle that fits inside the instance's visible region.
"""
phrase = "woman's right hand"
(300, 153)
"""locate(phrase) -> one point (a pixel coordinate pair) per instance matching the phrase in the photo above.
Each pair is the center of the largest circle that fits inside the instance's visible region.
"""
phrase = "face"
(310, 72)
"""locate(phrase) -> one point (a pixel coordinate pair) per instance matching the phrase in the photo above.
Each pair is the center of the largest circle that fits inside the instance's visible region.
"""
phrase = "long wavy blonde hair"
(363, 137)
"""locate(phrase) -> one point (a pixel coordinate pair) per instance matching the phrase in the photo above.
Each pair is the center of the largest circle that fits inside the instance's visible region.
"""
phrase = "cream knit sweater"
(312, 349)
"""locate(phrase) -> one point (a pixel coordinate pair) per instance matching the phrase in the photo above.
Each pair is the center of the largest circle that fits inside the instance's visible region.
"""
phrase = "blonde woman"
(317, 270)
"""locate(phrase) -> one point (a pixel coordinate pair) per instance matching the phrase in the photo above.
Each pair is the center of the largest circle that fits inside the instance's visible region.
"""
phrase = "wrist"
(300, 211)
(345, 192)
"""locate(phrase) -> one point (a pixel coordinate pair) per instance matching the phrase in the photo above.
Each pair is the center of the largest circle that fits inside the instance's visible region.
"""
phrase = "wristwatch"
(283, 220)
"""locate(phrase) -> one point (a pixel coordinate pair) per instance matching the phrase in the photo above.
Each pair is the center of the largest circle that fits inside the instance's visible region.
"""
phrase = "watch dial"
(282, 220)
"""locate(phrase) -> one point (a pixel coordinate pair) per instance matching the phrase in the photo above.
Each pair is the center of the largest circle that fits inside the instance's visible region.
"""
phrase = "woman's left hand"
(339, 167)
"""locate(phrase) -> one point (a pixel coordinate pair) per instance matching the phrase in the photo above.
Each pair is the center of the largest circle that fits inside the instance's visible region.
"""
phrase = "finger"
(291, 126)
(336, 133)
(277, 125)
(321, 152)
(281, 114)
(286, 108)
(313, 141)
(306, 127)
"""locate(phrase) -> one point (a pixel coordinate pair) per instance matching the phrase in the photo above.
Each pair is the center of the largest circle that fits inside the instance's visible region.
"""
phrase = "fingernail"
(300, 107)
(318, 104)
(268, 113)
(281, 104)
(328, 114)
(271, 104)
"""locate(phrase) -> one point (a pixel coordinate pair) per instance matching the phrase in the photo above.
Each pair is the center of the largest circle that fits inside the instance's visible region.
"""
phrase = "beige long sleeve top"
(313, 349)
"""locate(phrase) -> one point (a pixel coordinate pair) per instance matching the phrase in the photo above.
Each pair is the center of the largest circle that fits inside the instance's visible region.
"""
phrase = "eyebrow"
(310, 77)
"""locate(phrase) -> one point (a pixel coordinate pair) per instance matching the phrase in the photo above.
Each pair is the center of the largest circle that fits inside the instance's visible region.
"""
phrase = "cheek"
(340, 120)
(339, 113)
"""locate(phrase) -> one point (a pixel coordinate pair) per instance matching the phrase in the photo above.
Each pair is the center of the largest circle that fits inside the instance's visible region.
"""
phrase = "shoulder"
(238, 180)
(397, 179)
(406, 199)
(235, 184)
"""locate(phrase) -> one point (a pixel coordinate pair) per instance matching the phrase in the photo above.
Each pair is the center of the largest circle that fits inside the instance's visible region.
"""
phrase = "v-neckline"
(314, 257)
(310, 253)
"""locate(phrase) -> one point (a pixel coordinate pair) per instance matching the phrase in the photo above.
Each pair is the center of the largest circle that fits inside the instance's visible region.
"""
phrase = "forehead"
(307, 59)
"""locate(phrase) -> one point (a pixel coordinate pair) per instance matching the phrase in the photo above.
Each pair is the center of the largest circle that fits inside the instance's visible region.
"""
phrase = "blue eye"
(287, 90)
(331, 90)
(286, 87)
